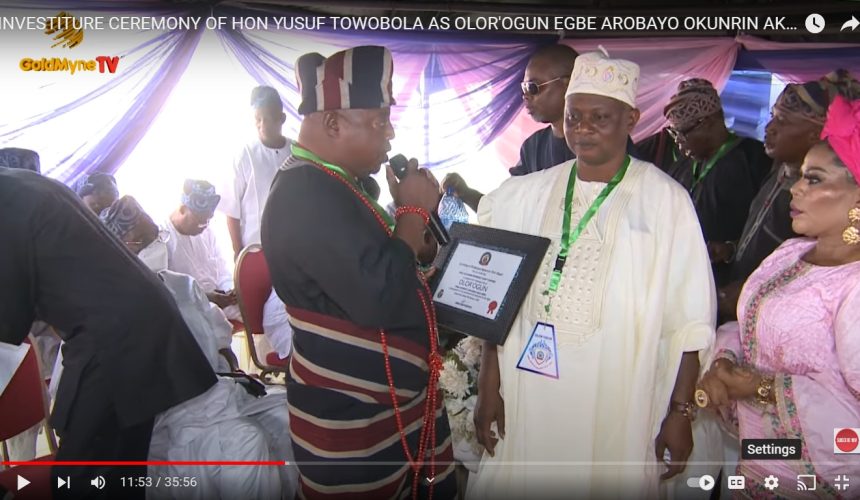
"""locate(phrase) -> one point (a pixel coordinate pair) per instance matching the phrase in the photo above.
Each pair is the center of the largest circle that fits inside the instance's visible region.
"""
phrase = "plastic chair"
(253, 287)
(23, 405)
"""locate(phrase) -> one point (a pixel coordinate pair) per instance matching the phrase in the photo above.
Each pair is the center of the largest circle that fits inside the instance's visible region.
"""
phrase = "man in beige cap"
(623, 306)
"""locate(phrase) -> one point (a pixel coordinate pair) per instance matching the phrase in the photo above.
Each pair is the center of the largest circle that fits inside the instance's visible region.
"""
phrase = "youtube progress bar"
(42, 463)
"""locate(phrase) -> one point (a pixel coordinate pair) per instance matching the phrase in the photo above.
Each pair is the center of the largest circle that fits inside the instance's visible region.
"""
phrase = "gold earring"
(851, 235)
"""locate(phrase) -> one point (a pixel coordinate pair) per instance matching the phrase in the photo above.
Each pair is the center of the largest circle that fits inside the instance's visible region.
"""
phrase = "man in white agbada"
(193, 249)
(244, 197)
(631, 314)
(223, 423)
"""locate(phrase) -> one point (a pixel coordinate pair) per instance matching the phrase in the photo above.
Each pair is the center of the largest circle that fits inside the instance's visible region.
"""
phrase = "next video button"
(770, 449)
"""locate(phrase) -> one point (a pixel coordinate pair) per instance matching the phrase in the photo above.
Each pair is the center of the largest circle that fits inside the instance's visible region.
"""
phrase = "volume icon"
(98, 482)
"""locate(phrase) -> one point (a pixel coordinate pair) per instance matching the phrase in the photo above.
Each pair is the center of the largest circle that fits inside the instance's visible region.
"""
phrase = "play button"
(22, 482)
(706, 482)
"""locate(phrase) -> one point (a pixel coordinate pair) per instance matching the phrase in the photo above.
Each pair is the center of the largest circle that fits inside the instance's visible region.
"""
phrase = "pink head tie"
(842, 131)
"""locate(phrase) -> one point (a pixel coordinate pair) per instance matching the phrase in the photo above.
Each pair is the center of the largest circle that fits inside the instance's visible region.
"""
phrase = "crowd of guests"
(699, 288)
(237, 418)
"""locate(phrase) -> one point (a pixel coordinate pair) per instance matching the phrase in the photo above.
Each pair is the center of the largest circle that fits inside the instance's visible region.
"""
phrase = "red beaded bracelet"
(412, 210)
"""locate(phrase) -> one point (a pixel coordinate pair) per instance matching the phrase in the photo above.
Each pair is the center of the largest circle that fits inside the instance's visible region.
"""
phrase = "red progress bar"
(145, 462)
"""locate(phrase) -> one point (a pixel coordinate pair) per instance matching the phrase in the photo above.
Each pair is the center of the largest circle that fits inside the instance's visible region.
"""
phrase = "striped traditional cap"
(356, 78)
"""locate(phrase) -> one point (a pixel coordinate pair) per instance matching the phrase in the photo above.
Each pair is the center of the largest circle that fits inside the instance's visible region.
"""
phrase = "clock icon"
(815, 23)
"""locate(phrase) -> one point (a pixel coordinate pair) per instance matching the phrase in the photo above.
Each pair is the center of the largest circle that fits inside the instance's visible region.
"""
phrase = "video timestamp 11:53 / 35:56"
(159, 481)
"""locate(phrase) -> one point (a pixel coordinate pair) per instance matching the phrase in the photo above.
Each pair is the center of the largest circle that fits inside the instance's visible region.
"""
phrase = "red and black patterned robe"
(343, 278)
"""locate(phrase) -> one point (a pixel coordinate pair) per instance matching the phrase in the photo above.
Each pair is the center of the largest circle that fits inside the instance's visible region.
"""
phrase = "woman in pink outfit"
(790, 367)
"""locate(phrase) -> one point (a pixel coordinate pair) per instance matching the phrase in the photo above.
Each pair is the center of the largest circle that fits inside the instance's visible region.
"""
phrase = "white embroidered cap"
(596, 73)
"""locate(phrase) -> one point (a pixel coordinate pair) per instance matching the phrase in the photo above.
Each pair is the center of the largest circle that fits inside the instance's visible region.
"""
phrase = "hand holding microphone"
(410, 185)
(413, 186)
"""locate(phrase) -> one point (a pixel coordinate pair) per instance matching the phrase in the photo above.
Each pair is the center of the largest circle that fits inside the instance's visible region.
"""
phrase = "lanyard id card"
(541, 355)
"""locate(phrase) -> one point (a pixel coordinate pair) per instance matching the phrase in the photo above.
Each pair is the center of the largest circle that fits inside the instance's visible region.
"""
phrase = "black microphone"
(398, 165)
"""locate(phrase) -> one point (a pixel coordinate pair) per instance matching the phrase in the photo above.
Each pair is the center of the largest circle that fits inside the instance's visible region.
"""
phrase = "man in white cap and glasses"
(622, 309)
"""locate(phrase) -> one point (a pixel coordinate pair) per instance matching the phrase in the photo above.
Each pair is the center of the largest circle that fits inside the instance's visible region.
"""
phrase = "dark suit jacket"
(60, 265)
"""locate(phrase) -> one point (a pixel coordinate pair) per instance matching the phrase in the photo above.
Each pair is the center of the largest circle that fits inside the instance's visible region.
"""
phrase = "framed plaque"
(482, 279)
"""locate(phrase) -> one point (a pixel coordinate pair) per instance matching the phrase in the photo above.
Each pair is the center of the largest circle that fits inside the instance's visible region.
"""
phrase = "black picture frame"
(531, 248)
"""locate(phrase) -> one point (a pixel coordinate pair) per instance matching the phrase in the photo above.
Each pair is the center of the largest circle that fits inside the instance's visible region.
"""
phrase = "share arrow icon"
(851, 23)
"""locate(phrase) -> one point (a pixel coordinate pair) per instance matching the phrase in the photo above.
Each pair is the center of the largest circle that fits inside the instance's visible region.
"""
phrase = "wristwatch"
(686, 408)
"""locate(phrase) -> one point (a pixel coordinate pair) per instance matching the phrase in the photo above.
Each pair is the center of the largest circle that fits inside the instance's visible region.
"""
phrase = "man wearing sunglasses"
(546, 78)
(722, 171)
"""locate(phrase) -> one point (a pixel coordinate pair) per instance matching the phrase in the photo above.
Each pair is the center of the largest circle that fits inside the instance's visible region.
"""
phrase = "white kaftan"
(244, 198)
(636, 293)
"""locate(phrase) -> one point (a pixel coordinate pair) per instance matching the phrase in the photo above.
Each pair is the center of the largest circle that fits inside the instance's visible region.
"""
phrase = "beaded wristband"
(407, 209)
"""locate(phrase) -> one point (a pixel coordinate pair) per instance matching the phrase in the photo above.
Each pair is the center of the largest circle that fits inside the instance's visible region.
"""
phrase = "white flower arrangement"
(459, 382)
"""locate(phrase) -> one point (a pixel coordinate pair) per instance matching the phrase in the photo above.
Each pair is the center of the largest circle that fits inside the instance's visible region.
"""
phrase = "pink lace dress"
(801, 323)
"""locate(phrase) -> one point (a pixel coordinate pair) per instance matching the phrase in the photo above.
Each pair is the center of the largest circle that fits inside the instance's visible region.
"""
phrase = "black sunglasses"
(534, 88)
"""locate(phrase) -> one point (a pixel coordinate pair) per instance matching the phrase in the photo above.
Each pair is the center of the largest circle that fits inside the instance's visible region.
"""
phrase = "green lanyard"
(568, 238)
(697, 177)
(304, 154)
